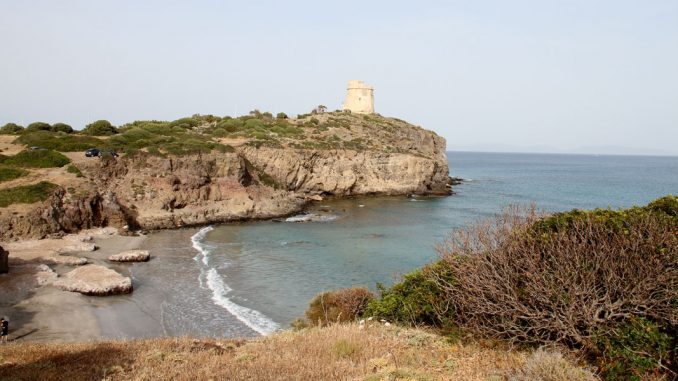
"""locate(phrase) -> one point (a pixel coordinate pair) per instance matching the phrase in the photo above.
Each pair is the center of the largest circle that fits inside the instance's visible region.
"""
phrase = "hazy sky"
(489, 75)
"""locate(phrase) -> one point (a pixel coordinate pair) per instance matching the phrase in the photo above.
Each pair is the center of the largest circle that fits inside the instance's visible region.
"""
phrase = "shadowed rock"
(94, 280)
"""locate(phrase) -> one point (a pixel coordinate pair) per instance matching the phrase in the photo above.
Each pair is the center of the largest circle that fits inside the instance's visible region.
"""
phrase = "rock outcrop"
(94, 280)
(130, 256)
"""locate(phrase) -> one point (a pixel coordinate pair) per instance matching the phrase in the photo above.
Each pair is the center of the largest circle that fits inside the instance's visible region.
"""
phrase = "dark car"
(93, 152)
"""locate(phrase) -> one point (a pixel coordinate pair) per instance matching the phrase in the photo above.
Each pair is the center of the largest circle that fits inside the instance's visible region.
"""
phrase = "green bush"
(100, 128)
(59, 141)
(26, 194)
(415, 300)
(37, 159)
(186, 123)
(73, 169)
(10, 173)
(62, 127)
(637, 348)
(230, 125)
(38, 126)
(219, 132)
(10, 129)
(281, 115)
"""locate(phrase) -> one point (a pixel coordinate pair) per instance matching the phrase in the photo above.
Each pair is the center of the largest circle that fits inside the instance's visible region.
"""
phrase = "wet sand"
(37, 311)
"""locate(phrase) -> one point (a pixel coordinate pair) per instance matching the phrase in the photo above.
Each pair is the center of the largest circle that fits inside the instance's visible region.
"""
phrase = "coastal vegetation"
(204, 133)
(10, 173)
(41, 158)
(26, 194)
(601, 282)
(370, 352)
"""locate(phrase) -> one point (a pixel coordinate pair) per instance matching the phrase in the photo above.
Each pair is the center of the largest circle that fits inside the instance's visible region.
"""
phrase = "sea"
(253, 278)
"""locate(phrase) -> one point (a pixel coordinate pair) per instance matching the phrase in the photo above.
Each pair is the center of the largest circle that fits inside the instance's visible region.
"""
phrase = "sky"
(579, 76)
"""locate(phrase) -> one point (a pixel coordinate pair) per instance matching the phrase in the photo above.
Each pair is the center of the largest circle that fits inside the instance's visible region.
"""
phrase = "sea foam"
(210, 277)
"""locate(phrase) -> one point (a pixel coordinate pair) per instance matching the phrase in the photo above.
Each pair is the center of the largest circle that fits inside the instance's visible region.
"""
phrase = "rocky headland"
(250, 176)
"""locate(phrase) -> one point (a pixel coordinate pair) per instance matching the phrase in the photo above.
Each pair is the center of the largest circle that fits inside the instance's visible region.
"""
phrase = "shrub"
(281, 115)
(38, 126)
(338, 306)
(415, 300)
(73, 169)
(638, 347)
(26, 194)
(550, 366)
(574, 278)
(10, 129)
(58, 141)
(62, 127)
(219, 132)
(38, 159)
(100, 128)
(187, 123)
(10, 173)
(230, 125)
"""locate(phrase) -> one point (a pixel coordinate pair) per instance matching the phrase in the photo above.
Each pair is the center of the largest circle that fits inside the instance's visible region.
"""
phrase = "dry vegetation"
(337, 352)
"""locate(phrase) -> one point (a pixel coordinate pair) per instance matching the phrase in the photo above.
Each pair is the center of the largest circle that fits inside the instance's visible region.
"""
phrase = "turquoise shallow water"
(249, 278)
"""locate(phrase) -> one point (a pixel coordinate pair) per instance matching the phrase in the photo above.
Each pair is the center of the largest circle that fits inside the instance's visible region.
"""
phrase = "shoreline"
(38, 311)
(43, 313)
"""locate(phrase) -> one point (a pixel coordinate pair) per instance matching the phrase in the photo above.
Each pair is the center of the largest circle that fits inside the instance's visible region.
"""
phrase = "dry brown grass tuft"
(337, 352)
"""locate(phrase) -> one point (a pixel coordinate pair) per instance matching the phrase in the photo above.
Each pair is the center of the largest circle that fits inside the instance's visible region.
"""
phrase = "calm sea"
(249, 278)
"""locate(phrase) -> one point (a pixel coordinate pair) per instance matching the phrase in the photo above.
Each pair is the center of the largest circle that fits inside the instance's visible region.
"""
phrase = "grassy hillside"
(338, 352)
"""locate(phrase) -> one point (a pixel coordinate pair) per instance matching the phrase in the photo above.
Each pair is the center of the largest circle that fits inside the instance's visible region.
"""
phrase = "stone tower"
(359, 98)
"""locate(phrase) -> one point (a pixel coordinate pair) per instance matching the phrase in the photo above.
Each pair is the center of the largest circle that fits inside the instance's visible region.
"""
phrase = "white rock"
(130, 256)
(94, 280)
(387, 324)
(77, 246)
(66, 260)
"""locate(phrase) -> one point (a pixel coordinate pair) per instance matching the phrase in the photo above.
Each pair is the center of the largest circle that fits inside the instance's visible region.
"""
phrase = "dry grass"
(337, 352)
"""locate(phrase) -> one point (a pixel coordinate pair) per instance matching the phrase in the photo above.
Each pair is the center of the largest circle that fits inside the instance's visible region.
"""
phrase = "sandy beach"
(40, 312)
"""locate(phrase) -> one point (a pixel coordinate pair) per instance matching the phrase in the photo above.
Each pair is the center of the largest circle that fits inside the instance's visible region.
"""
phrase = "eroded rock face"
(130, 256)
(94, 280)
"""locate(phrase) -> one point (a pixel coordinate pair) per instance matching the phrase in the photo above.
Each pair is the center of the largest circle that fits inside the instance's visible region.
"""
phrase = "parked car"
(36, 148)
(93, 152)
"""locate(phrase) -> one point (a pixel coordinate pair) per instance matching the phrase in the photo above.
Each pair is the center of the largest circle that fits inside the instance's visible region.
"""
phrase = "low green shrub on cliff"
(415, 300)
(26, 194)
(100, 128)
(37, 159)
(11, 173)
(60, 141)
(10, 129)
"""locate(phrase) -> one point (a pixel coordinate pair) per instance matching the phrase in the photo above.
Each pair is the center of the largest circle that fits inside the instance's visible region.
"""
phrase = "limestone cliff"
(254, 181)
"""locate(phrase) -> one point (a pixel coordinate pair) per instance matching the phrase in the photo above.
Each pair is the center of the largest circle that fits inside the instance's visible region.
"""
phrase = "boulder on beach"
(76, 246)
(66, 260)
(130, 256)
(94, 280)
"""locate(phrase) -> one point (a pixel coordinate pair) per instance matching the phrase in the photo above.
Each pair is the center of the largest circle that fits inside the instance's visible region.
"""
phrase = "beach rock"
(315, 197)
(77, 247)
(78, 237)
(130, 256)
(94, 280)
(66, 260)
